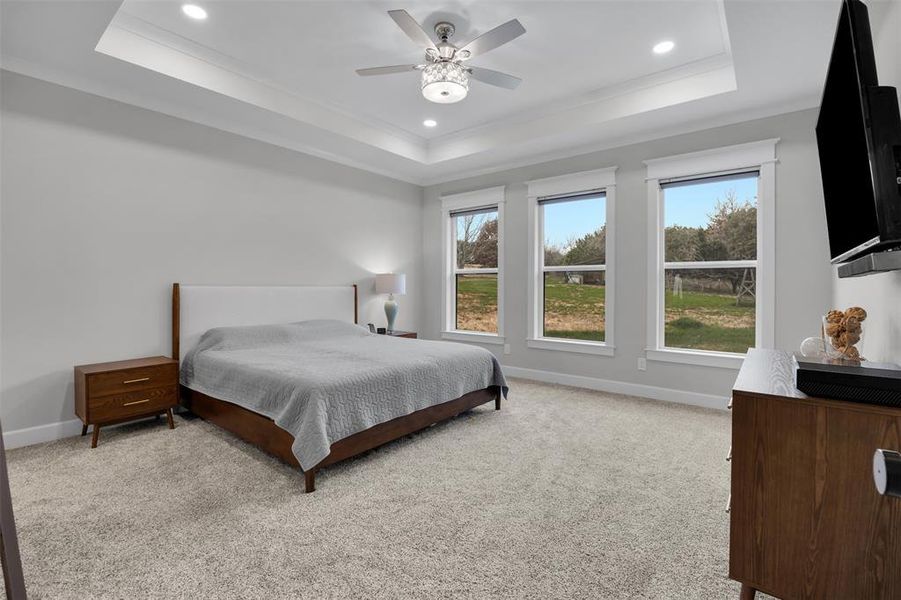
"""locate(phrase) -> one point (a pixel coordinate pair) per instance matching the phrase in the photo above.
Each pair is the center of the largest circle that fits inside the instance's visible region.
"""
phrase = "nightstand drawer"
(128, 380)
(123, 406)
(401, 334)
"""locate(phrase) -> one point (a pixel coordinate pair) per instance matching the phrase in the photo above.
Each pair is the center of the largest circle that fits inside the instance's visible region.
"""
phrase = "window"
(475, 270)
(473, 287)
(710, 263)
(575, 239)
(571, 246)
(710, 253)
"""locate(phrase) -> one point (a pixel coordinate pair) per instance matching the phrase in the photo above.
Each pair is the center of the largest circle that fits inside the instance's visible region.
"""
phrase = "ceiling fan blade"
(497, 78)
(498, 36)
(386, 70)
(413, 29)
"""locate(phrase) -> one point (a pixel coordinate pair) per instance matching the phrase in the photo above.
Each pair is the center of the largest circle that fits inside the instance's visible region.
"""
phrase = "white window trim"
(485, 198)
(759, 156)
(600, 180)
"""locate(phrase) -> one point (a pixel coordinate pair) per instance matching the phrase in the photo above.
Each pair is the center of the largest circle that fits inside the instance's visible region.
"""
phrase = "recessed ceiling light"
(430, 122)
(193, 11)
(663, 47)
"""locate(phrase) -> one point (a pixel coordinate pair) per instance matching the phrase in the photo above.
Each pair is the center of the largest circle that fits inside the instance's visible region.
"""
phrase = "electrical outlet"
(506, 348)
(642, 364)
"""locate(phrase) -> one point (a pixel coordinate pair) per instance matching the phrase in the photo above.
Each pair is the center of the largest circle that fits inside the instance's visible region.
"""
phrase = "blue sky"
(566, 220)
(688, 206)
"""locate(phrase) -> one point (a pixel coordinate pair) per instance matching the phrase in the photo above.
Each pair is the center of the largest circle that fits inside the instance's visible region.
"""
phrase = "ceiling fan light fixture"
(444, 82)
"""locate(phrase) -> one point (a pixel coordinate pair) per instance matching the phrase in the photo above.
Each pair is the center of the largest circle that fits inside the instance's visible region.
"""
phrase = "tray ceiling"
(311, 49)
(283, 72)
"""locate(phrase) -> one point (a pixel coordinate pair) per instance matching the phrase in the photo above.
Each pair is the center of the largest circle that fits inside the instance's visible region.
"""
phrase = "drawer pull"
(729, 406)
(137, 380)
(137, 402)
(729, 504)
(729, 456)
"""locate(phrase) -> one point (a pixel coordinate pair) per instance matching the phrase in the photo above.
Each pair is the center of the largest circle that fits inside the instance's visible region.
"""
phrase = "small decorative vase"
(813, 347)
(842, 332)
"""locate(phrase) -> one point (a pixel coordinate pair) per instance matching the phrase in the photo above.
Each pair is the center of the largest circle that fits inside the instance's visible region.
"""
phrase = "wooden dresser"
(112, 392)
(806, 520)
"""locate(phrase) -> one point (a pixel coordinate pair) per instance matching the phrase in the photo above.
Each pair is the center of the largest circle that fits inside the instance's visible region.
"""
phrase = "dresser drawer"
(123, 406)
(128, 380)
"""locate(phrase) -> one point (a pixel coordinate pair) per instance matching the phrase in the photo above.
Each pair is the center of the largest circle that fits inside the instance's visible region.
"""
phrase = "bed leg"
(309, 478)
(497, 402)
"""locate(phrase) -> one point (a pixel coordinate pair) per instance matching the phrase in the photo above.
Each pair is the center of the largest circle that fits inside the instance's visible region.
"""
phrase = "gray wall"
(104, 205)
(802, 270)
(879, 294)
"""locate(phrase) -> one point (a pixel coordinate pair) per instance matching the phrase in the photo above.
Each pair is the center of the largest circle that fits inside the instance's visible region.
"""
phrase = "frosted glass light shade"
(444, 82)
(391, 283)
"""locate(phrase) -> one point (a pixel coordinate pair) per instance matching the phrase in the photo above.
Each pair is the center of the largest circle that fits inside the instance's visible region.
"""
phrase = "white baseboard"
(620, 387)
(42, 433)
(53, 431)
(64, 429)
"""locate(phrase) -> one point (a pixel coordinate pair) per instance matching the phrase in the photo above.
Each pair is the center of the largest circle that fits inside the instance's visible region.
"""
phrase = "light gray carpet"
(565, 493)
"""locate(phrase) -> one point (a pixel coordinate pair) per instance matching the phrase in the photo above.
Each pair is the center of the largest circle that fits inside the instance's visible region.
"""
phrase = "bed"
(289, 370)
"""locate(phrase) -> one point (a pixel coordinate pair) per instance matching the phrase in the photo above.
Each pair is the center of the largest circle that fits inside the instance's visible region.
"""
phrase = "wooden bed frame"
(263, 433)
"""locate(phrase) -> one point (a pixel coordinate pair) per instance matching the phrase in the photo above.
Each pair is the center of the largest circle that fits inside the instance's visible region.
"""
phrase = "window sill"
(598, 348)
(473, 336)
(723, 360)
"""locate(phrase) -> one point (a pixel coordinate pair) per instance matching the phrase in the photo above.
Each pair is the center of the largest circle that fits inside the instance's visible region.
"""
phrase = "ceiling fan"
(445, 77)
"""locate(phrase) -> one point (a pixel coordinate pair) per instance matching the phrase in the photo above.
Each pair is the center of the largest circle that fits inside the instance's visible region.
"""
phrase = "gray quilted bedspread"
(323, 381)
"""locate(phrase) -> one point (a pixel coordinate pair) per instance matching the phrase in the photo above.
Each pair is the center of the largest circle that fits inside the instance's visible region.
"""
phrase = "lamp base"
(391, 312)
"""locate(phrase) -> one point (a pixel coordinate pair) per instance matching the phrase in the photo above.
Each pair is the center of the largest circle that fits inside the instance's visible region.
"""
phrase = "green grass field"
(480, 288)
(574, 311)
(704, 321)
(701, 321)
(477, 303)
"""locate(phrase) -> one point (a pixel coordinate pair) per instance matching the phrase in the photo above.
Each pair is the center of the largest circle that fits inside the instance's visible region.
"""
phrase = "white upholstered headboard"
(197, 308)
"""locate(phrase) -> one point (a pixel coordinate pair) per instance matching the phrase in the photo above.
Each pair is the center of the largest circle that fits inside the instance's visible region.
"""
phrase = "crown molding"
(184, 112)
(538, 158)
(137, 42)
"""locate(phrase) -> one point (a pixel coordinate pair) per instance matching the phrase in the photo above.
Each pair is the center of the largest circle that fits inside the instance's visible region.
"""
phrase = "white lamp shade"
(391, 283)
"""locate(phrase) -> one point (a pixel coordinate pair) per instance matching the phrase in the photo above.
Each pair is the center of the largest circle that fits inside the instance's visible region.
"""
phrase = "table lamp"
(391, 283)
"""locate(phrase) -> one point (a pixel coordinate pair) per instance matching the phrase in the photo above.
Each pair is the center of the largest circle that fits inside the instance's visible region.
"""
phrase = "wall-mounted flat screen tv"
(859, 139)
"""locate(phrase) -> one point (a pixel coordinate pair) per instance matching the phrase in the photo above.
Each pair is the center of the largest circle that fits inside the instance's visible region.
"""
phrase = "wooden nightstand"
(403, 334)
(113, 392)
